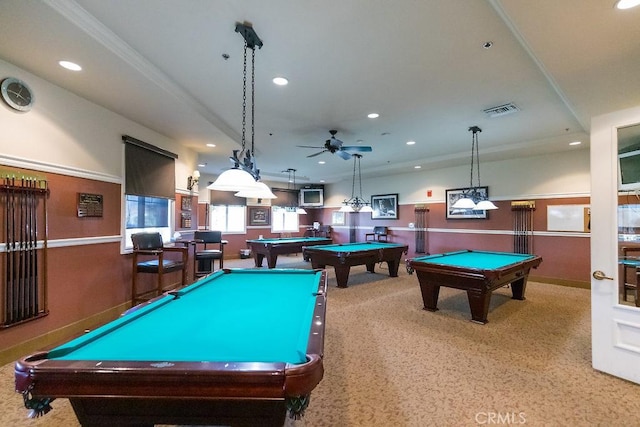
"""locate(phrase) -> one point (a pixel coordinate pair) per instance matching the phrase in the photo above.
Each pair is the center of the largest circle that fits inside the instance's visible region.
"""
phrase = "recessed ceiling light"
(373, 115)
(411, 142)
(280, 81)
(322, 180)
(417, 167)
(575, 143)
(321, 162)
(211, 145)
(201, 165)
(627, 4)
(488, 45)
(70, 65)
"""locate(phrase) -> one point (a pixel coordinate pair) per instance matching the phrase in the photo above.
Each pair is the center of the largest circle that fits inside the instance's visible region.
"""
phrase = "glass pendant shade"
(301, 211)
(366, 208)
(234, 180)
(346, 208)
(261, 191)
(485, 205)
(464, 203)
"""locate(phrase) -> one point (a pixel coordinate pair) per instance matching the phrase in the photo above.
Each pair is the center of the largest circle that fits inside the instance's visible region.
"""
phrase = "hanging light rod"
(474, 197)
(356, 203)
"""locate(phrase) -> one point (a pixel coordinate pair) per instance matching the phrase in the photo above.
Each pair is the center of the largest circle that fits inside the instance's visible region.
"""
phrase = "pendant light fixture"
(472, 197)
(356, 203)
(292, 180)
(244, 177)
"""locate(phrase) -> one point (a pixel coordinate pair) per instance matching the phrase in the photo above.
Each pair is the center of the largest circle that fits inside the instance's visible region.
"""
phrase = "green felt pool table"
(238, 347)
(271, 248)
(343, 256)
(477, 272)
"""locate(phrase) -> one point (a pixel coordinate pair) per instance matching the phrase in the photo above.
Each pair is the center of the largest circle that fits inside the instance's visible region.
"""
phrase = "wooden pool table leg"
(430, 294)
(371, 267)
(258, 259)
(393, 267)
(271, 260)
(518, 287)
(479, 304)
(342, 275)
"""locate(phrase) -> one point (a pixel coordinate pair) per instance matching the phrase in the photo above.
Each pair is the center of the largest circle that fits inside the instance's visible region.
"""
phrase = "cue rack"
(23, 294)
(523, 226)
(422, 238)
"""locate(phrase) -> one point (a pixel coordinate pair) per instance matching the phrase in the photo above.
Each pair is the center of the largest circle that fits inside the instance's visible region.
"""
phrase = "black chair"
(380, 234)
(204, 254)
(150, 256)
(324, 231)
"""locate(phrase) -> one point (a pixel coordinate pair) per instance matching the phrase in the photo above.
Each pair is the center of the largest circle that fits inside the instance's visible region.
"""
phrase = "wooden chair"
(205, 257)
(149, 256)
(380, 234)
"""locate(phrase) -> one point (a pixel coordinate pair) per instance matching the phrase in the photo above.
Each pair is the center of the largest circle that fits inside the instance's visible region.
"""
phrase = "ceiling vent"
(501, 110)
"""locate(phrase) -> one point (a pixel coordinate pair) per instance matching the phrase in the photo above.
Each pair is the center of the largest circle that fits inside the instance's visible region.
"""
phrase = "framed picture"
(337, 218)
(186, 203)
(385, 206)
(259, 216)
(454, 195)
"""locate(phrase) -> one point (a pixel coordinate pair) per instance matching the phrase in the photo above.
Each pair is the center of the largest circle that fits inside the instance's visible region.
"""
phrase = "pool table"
(477, 272)
(271, 248)
(238, 347)
(343, 256)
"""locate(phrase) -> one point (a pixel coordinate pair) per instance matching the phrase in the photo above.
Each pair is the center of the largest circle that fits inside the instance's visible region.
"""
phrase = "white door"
(615, 325)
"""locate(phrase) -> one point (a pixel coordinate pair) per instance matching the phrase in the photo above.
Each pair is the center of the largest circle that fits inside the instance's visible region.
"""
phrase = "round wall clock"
(16, 94)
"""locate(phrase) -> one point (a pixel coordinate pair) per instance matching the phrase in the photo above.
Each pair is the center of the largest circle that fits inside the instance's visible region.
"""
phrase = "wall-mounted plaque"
(90, 205)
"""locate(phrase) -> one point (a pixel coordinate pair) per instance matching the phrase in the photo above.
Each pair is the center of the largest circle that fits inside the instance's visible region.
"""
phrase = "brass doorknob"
(599, 275)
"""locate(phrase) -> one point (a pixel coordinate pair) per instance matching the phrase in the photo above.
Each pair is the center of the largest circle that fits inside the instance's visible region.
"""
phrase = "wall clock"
(16, 94)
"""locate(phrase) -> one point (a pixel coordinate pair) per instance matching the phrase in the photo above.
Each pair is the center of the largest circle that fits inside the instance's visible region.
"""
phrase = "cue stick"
(30, 196)
(34, 231)
(8, 271)
(12, 248)
(22, 262)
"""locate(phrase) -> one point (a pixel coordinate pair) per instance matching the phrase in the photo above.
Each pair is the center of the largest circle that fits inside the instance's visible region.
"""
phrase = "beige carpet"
(390, 363)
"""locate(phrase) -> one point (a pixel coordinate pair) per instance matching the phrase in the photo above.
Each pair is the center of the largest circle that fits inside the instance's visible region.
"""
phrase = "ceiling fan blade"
(317, 154)
(357, 148)
(308, 146)
(343, 154)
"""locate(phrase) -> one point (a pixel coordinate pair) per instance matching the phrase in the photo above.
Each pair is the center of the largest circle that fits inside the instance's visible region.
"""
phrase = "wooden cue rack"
(23, 294)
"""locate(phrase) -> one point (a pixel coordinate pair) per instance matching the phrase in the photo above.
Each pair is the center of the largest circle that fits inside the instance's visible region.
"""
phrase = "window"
(228, 218)
(149, 190)
(284, 220)
(147, 214)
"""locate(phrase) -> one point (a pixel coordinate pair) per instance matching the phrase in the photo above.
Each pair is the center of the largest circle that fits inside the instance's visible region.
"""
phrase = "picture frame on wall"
(385, 206)
(453, 195)
(259, 216)
(337, 218)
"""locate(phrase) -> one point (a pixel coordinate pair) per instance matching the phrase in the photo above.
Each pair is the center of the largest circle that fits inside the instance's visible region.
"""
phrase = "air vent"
(501, 110)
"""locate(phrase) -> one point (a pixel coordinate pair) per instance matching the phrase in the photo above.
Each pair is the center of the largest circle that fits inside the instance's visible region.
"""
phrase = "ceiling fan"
(334, 146)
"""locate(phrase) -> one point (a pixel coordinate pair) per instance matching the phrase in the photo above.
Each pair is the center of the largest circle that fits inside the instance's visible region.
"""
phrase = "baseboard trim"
(60, 335)
(562, 282)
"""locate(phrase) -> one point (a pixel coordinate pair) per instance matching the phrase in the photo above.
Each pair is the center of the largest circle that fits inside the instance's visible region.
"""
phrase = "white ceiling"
(420, 64)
